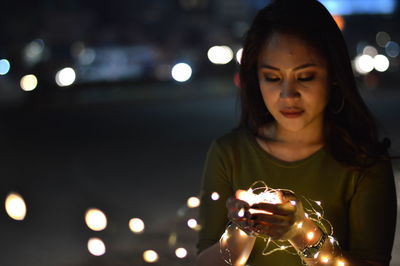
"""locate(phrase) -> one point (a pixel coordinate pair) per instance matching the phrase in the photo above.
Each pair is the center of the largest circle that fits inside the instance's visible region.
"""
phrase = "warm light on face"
(150, 256)
(136, 225)
(15, 206)
(96, 247)
(95, 219)
(181, 253)
(193, 202)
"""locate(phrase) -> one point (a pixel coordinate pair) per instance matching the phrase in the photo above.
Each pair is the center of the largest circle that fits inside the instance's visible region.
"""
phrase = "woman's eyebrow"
(296, 68)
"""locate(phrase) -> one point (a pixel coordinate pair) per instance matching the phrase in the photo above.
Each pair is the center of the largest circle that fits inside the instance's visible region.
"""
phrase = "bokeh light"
(382, 38)
(136, 225)
(33, 51)
(15, 206)
(381, 63)
(239, 55)
(181, 72)
(392, 49)
(220, 55)
(96, 219)
(96, 247)
(181, 253)
(28, 82)
(65, 77)
(215, 196)
(4, 66)
(193, 202)
(364, 64)
(370, 50)
(192, 223)
(150, 256)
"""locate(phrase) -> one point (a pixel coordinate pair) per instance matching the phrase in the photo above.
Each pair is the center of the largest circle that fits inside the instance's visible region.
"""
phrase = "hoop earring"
(340, 108)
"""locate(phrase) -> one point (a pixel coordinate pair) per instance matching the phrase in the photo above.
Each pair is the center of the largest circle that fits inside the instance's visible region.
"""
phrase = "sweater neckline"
(280, 162)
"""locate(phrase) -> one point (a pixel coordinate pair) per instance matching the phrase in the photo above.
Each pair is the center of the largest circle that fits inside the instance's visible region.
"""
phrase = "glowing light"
(325, 259)
(306, 215)
(318, 214)
(96, 247)
(364, 64)
(193, 202)
(4, 66)
(339, 21)
(65, 77)
(370, 50)
(382, 38)
(181, 252)
(318, 202)
(310, 235)
(241, 212)
(215, 196)
(300, 225)
(267, 196)
(293, 202)
(381, 63)
(392, 49)
(181, 72)
(136, 225)
(28, 82)
(341, 263)
(239, 54)
(33, 51)
(242, 233)
(220, 55)
(192, 223)
(316, 255)
(15, 206)
(150, 256)
(87, 56)
(172, 239)
(96, 219)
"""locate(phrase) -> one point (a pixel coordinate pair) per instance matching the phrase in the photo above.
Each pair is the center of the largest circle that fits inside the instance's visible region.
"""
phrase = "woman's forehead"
(286, 50)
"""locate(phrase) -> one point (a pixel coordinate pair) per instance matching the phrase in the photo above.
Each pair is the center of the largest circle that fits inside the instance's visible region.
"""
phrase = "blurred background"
(107, 110)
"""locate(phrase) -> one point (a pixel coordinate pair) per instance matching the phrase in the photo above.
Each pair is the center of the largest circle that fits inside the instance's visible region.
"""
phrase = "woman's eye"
(271, 79)
(306, 78)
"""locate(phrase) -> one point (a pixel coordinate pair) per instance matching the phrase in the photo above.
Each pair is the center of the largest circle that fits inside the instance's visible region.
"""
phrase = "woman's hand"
(282, 220)
(238, 213)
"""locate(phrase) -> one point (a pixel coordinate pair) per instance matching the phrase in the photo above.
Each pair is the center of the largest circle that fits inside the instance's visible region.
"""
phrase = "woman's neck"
(312, 135)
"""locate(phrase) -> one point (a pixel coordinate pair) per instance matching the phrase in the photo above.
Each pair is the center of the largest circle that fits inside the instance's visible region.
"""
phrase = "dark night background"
(126, 137)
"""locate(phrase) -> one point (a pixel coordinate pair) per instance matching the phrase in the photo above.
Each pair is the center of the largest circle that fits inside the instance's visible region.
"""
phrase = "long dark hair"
(350, 129)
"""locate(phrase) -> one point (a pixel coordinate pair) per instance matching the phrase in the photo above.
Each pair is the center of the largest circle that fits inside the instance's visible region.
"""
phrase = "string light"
(313, 212)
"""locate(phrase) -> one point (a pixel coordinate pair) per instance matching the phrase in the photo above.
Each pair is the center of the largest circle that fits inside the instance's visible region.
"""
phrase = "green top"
(360, 206)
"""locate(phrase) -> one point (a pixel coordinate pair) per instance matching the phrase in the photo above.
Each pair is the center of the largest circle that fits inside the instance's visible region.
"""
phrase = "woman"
(304, 128)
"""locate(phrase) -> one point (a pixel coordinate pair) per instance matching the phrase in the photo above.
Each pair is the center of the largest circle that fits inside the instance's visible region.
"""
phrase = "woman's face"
(294, 82)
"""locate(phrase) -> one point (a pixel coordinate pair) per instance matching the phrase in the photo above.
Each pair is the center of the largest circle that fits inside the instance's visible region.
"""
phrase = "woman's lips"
(292, 113)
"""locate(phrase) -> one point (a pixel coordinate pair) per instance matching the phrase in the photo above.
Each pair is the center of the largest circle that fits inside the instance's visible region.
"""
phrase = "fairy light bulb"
(241, 212)
(310, 235)
(318, 202)
(341, 263)
(300, 225)
(325, 259)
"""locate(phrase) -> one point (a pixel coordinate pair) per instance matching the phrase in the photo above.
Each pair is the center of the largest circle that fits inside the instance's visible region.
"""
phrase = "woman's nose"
(289, 91)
